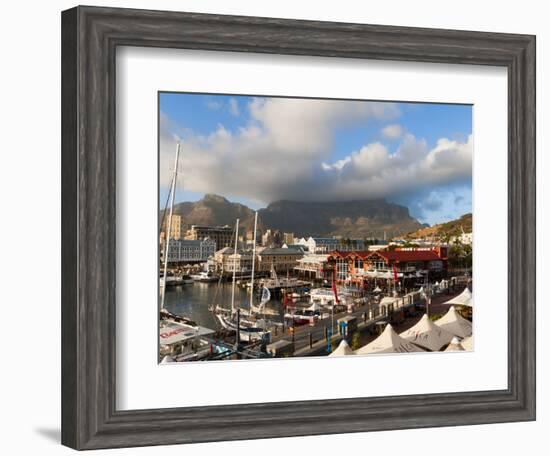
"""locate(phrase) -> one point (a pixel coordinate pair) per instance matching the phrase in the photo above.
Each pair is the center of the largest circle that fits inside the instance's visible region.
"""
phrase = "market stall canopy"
(388, 342)
(343, 349)
(455, 345)
(463, 299)
(377, 290)
(427, 335)
(468, 343)
(455, 323)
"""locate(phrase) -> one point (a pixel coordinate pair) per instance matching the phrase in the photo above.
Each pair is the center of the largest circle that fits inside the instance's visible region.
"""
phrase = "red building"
(362, 269)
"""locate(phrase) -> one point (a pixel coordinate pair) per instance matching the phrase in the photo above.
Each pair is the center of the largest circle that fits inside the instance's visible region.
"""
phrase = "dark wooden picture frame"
(90, 37)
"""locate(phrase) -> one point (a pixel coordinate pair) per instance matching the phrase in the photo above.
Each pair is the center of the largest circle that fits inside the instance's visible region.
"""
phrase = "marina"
(308, 277)
(319, 332)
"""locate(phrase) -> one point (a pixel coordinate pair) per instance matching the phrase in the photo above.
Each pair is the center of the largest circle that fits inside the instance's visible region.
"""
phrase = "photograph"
(296, 227)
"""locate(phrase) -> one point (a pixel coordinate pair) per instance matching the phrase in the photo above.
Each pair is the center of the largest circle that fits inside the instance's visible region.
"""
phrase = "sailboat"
(248, 330)
(179, 337)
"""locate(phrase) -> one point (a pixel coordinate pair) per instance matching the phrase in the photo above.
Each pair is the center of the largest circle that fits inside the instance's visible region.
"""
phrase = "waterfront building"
(313, 266)
(282, 260)
(176, 228)
(358, 268)
(226, 260)
(185, 251)
(221, 235)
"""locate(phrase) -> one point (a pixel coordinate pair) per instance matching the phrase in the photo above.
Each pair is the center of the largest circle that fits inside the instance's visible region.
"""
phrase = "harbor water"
(193, 300)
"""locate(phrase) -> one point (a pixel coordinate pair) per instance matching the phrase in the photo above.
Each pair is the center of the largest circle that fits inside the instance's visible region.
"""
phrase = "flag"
(286, 302)
(266, 295)
(337, 301)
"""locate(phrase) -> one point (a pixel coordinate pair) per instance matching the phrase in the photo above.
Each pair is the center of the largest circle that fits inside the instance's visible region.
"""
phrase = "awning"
(342, 350)
(455, 323)
(463, 299)
(427, 335)
(388, 342)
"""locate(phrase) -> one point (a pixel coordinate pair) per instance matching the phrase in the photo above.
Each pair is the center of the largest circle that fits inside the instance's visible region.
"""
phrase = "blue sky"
(256, 150)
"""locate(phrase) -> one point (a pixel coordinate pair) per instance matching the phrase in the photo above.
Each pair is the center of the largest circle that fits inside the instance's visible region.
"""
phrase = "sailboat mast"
(234, 268)
(169, 230)
(253, 261)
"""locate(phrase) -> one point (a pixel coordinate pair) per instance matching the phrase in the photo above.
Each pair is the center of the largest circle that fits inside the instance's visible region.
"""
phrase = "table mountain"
(354, 219)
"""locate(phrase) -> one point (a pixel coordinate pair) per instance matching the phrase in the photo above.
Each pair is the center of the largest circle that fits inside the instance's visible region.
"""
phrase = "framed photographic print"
(307, 227)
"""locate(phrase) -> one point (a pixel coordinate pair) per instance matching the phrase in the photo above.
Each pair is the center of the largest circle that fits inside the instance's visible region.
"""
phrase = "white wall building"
(180, 251)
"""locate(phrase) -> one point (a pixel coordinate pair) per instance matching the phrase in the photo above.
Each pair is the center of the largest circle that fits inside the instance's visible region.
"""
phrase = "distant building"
(272, 238)
(313, 266)
(176, 228)
(463, 238)
(282, 260)
(319, 245)
(221, 235)
(226, 260)
(288, 238)
(185, 251)
(376, 247)
(298, 247)
(330, 244)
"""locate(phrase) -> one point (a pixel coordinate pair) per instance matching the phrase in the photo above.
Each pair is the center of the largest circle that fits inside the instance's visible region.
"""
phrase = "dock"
(309, 340)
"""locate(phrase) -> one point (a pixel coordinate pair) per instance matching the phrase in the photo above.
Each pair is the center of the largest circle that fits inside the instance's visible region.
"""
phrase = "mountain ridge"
(444, 231)
(354, 219)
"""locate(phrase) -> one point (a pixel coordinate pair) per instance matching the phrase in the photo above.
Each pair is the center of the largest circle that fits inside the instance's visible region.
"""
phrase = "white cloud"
(214, 105)
(233, 107)
(284, 152)
(393, 131)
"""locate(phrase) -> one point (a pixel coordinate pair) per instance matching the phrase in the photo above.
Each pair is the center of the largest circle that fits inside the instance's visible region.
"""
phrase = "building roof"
(225, 251)
(392, 255)
(192, 242)
(298, 247)
(280, 251)
(208, 227)
(407, 255)
(326, 240)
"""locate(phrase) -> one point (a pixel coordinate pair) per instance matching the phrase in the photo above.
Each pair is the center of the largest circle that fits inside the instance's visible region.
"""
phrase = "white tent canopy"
(427, 335)
(455, 323)
(377, 290)
(388, 342)
(343, 349)
(455, 345)
(463, 299)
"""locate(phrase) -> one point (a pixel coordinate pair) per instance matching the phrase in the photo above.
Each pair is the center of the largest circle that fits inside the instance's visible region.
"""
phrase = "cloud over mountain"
(283, 152)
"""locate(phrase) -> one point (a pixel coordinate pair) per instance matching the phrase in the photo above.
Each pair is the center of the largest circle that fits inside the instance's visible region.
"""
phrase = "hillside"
(357, 219)
(444, 231)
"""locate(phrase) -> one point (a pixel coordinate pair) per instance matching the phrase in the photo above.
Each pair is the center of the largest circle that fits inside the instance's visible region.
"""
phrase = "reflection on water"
(193, 300)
